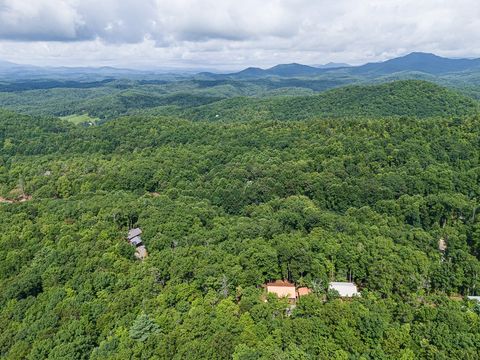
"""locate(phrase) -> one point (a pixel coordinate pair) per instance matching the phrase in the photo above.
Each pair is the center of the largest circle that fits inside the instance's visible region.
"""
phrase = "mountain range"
(413, 62)
(419, 62)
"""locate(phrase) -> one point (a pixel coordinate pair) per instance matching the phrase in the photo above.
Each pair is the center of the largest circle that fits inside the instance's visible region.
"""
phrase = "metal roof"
(345, 289)
(136, 240)
(134, 232)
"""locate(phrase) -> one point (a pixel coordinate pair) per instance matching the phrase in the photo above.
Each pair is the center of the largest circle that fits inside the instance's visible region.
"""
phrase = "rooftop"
(345, 289)
(302, 291)
(133, 232)
(281, 283)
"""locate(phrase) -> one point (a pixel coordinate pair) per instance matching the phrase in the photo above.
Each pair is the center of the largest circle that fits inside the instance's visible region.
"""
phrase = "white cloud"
(38, 20)
(233, 33)
(194, 20)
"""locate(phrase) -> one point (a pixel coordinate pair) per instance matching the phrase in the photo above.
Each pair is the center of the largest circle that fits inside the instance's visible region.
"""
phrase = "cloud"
(131, 21)
(195, 20)
(38, 20)
(237, 33)
(114, 21)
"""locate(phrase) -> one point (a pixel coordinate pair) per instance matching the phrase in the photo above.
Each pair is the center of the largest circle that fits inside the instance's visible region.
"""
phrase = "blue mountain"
(418, 61)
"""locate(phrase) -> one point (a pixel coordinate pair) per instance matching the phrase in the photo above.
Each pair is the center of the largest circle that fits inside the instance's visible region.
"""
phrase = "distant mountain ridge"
(332, 65)
(413, 62)
(8, 64)
(282, 70)
(419, 62)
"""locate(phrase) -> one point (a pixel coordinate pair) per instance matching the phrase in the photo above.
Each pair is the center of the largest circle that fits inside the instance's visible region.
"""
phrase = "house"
(302, 291)
(286, 289)
(344, 289)
(135, 239)
(134, 236)
(477, 298)
(283, 289)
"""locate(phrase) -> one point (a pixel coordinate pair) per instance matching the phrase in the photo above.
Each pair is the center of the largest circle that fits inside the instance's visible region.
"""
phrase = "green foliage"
(226, 206)
(257, 98)
(400, 98)
(142, 328)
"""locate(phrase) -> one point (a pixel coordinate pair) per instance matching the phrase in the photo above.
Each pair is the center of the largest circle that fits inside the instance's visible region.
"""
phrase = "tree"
(143, 327)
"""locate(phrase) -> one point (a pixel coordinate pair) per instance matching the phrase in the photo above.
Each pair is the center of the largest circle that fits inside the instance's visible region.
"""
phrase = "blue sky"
(227, 34)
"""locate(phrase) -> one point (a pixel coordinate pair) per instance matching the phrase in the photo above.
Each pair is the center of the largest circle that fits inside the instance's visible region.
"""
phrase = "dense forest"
(358, 183)
(400, 98)
(228, 100)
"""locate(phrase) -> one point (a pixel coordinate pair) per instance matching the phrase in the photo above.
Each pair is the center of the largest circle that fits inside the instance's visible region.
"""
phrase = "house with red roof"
(286, 289)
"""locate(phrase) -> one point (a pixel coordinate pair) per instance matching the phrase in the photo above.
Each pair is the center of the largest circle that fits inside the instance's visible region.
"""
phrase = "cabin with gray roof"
(135, 239)
(134, 236)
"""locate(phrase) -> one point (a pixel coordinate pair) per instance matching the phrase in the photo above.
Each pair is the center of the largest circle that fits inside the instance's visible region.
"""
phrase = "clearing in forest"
(80, 119)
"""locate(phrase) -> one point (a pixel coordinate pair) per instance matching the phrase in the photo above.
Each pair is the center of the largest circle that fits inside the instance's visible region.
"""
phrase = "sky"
(232, 34)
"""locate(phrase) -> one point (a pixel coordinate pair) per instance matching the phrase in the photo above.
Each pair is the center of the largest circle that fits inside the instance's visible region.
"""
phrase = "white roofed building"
(344, 289)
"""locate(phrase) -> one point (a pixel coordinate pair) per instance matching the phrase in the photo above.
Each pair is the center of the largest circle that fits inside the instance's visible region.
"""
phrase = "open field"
(79, 119)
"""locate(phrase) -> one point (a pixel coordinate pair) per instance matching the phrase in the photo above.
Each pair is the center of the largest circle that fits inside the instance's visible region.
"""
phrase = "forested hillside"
(263, 98)
(363, 188)
(399, 98)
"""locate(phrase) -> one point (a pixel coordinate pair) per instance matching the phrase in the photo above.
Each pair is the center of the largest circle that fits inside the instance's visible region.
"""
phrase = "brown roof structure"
(283, 289)
(302, 291)
(280, 283)
(286, 289)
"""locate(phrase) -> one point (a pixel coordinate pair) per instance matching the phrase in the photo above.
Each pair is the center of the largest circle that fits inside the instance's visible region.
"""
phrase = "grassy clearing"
(79, 119)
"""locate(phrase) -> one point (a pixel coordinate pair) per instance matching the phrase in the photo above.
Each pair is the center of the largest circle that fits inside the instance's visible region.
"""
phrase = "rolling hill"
(225, 208)
(399, 98)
